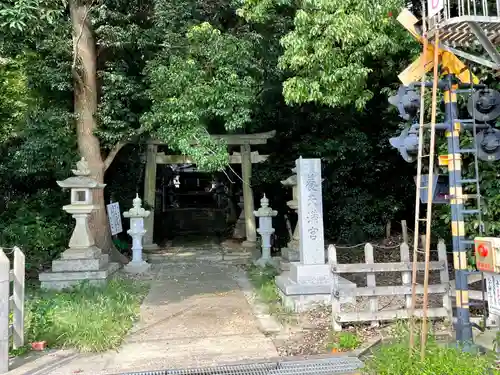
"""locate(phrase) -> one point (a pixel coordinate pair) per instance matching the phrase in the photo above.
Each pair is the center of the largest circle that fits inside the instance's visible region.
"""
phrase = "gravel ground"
(312, 333)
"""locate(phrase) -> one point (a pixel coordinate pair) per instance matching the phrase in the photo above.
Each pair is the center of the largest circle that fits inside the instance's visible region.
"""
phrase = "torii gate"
(245, 157)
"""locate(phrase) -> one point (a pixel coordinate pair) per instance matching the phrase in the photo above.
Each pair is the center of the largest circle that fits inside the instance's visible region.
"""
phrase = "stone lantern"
(265, 215)
(81, 207)
(136, 215)
(291, 252)
(83, 261)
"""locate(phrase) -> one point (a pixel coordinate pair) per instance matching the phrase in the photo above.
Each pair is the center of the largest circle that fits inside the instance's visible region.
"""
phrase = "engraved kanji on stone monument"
(312, 246)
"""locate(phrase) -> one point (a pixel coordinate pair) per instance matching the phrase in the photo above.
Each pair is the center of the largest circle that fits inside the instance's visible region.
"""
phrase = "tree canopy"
(97, 78)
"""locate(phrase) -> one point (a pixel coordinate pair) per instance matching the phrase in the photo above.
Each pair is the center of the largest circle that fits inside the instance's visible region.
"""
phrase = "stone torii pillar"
(150, 196)
(248, 206)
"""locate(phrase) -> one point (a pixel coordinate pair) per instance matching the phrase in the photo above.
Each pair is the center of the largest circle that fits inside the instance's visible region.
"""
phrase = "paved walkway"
(195, 315)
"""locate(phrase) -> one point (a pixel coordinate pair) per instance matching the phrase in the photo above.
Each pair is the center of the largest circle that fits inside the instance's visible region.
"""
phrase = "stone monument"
(83, 261)
(265, 215)
(310, 280)
(136, 215)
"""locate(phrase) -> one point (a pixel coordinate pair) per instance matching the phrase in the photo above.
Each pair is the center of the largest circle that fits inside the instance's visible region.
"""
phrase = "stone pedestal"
(309, 282)
(83, 261)
(137, 267)
(150, 247)
(306, 286)
(288, 255)
(249, 245)
(76, 267)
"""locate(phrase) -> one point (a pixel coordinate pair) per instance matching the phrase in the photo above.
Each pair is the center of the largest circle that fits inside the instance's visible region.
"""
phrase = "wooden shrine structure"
(245, 157)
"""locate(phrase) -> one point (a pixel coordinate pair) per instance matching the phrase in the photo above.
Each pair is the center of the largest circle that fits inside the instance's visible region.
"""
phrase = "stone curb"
(267, 324)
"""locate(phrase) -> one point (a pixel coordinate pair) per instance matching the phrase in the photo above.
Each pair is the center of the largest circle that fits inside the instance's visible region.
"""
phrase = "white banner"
(115, 218)
(434, 7)
(493, 292)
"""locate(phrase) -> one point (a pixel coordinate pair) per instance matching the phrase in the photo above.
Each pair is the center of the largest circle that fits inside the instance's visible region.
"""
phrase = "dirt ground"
(311, 332)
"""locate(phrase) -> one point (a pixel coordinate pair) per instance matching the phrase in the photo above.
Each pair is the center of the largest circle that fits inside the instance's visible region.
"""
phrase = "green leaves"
(213, 80)
(29, 16)
(331, 47)
(394, 358)
(12, 100)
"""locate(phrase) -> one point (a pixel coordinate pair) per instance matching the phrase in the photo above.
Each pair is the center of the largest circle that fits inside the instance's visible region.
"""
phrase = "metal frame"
(465, 23)
(329, 366)
(463, 326)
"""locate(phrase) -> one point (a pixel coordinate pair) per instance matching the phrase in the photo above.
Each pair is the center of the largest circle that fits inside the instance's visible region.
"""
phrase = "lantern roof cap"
(137, 210)
(81, 179)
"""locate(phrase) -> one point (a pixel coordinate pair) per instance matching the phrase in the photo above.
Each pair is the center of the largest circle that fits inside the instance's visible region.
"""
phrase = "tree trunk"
(85, 77)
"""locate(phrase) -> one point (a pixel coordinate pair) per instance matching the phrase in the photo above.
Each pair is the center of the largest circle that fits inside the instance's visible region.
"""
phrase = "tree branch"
(112, 154)
(116, 149)
(76, 42)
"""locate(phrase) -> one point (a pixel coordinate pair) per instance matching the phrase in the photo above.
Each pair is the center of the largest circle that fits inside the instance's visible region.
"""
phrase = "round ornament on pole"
(484, 105)
(488, 145)
(407, 144)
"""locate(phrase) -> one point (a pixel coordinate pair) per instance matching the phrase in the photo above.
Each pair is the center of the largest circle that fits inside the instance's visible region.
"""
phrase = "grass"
(343, 342)
(87, 318)
(262, 279)
(394, 358)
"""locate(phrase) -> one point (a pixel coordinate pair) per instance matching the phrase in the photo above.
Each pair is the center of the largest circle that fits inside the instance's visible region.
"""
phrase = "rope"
(364, 243)
(10, 250)
(385, 247)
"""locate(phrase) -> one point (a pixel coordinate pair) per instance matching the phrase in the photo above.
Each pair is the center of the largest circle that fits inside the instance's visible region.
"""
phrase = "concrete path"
(195, 315)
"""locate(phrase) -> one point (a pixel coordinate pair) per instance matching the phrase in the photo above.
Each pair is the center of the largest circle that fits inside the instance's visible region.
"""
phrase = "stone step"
(79, 265)
(62, 280)
(197, 255)
(92, 252)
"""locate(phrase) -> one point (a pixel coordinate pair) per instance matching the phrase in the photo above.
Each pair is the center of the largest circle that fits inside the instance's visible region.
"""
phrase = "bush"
(440, 359)
(263, 281)
(87, 318)
(343, 341)
(267, 291)
(38, 225)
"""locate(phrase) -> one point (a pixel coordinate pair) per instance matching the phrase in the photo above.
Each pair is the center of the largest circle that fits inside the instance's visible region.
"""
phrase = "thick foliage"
(213, 80)
(179, 70)
(330, 49)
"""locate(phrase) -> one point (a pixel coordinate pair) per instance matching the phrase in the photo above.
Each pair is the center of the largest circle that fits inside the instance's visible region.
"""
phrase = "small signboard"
(115, 218)
(493, 292)
(434, 7)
